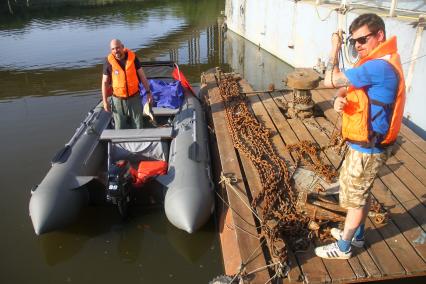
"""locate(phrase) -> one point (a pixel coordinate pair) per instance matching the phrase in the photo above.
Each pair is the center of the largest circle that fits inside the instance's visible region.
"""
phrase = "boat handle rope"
(229, 180)
(81, 129)
(235, 211)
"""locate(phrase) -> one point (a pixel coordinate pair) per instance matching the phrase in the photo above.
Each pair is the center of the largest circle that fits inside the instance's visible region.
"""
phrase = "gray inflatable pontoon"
(189, 202)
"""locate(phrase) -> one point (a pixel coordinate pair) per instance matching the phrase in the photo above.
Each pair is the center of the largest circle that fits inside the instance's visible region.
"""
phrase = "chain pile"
(282, 223)
(285, 224)
(302, 99)
(308, 154)
(336, 142)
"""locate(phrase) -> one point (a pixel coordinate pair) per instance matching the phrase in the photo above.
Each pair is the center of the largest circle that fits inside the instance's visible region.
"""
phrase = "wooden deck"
(393, 250)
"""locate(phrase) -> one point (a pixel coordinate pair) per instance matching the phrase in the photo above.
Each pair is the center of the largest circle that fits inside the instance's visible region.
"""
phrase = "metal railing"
(391, 6)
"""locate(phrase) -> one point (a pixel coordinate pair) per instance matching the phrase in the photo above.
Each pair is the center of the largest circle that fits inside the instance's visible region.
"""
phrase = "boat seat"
(136, 135)
(161, 111)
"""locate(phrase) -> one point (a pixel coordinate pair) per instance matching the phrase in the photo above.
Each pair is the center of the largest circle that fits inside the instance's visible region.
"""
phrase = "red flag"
(177, 75)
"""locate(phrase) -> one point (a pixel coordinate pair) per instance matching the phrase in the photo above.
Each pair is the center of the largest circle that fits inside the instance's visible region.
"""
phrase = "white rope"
(414, 59)
(228, 181)
(243, 230)
(263, 267)
(241, 217)
(243, 265)
(326, 17)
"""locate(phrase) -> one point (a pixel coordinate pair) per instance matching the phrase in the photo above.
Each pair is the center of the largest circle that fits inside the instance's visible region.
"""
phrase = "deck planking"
(391, 250)
(243, 224)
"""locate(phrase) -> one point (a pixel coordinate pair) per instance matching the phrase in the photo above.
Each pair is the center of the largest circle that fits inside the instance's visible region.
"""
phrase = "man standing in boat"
(371, 98)
(123, 71)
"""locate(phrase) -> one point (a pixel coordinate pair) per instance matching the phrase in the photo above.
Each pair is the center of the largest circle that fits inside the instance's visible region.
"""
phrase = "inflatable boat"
(175, 153)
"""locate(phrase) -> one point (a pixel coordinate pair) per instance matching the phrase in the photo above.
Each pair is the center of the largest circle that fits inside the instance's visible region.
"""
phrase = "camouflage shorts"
(357, 176)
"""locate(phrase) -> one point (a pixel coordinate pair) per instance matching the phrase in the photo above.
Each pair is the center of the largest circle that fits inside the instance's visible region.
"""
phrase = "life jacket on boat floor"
(146, 170)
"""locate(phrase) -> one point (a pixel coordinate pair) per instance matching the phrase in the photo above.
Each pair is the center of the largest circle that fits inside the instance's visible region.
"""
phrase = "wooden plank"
(399, 238)
(368, 265)
(385, 260)
(312, 267)
(382, 259)
(295, 274)
(408, 178)
(414, 138)
(325, 104)
(255, 187)
(412, 149)
(229, 243)
(404, 196)
(343, 272)
(362, 264)
(314, 134)
(305, 135)
(415, 167)
(406, 255)
(227, 235)
(249, 246)
(281, 123)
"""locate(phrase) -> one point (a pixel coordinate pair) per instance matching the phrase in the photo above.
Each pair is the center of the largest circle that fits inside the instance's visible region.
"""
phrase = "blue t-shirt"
(380, 81)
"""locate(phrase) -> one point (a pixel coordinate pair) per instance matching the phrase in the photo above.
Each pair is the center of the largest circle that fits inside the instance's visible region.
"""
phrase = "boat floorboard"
(394, 250)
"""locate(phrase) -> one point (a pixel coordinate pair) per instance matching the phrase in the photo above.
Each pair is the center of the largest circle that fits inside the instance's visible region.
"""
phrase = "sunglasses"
(360, 40)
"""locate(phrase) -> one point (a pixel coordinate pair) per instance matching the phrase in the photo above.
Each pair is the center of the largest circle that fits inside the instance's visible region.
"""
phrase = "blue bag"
(168, 95)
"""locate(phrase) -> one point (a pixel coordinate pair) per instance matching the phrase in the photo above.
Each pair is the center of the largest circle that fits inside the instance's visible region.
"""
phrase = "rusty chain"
(307, 153)
(284, 224)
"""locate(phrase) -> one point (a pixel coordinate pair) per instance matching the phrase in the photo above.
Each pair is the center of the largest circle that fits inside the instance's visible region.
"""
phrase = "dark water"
(51, 55)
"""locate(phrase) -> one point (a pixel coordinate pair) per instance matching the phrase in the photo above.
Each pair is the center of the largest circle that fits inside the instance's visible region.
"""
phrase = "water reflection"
(75, 42)
(256, 65)
(65, 51)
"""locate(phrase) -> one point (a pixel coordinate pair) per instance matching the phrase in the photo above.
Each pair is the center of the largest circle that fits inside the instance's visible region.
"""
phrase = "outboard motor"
(119, 184)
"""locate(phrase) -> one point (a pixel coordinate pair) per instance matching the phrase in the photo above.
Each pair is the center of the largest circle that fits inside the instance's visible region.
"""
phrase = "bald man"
(123, 71)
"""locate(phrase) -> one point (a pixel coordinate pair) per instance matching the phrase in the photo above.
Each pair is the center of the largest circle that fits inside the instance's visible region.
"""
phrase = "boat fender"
(146, 170)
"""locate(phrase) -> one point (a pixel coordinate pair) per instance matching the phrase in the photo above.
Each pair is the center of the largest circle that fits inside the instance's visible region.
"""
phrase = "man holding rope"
(371, 98)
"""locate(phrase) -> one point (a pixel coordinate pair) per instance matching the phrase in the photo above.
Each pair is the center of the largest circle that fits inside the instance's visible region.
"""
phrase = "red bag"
(148, 169)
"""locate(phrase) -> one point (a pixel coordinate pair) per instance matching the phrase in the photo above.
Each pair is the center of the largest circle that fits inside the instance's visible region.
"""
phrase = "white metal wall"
(299, 33)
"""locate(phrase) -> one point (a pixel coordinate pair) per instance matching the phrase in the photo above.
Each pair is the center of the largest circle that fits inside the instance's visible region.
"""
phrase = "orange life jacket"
(125, 83)
(146, 170)
(356, 120)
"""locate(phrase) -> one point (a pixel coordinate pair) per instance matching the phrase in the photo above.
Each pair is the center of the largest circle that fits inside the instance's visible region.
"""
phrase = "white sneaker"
(337, 234)
(332, 251)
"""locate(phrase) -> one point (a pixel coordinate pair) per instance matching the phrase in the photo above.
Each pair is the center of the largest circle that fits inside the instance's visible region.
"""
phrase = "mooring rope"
(228, 181)
(236, 212)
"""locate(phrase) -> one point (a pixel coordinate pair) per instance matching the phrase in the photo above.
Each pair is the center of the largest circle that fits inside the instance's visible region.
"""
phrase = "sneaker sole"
(325, 256)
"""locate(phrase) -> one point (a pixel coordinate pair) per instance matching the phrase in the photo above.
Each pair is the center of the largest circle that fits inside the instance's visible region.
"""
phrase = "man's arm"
(333, 76)
(106, 85)
(145, 83)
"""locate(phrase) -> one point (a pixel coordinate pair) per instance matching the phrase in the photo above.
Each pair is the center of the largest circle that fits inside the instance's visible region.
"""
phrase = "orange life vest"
(356, 119)
(146, 170)
(125, 83)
